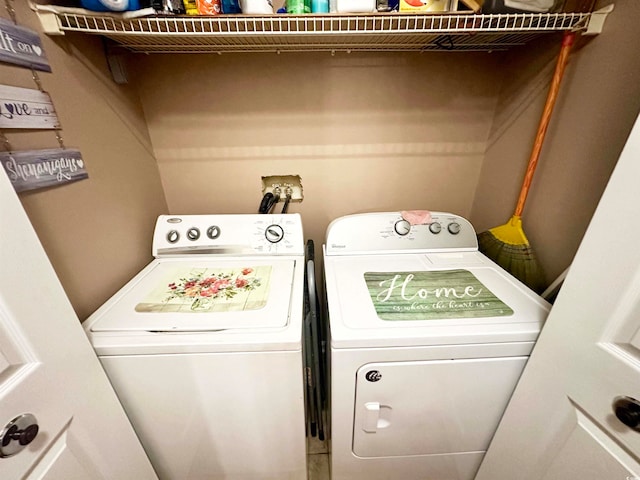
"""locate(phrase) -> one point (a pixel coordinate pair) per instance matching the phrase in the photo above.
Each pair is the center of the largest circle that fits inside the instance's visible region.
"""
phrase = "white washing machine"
(428, 340)
(203, 348)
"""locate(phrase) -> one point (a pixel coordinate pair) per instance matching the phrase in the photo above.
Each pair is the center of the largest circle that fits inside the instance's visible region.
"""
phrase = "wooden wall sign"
(26, 108)
(28, 170)
(21, 46)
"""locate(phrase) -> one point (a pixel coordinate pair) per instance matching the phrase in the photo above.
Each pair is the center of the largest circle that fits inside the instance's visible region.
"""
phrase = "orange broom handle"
(567, 42)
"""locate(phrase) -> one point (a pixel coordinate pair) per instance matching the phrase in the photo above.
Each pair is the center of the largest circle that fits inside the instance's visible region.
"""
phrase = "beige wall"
(366, 132)
(598, 103)
(97, 232)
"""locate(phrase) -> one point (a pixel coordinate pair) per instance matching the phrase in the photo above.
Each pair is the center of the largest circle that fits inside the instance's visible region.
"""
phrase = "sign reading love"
(21, 46)
(26, 108)
(31, 169)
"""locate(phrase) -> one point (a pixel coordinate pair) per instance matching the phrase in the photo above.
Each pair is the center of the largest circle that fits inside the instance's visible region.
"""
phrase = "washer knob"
(454, 228)
(402, 227)
(213, 232)
(435, 227)
(193, 234)
(173, 236)
(274, 233)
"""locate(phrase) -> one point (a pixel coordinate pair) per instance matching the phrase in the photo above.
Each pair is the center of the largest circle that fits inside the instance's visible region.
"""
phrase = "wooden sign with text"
(26, 108)
(21, 46)
(432, 295)
(28, 170)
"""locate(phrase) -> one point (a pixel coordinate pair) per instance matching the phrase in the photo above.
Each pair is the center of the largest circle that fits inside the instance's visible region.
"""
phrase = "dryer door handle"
(376, 417)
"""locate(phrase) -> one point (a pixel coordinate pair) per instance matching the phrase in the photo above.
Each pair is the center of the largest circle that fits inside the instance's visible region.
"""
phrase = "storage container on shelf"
(428, 5)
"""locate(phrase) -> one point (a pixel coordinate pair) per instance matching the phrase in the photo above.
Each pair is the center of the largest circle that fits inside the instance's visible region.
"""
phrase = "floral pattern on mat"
(210, 289)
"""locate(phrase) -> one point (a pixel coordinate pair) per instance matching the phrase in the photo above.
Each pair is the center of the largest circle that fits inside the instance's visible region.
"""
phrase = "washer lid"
(178, 295)
(435, 299)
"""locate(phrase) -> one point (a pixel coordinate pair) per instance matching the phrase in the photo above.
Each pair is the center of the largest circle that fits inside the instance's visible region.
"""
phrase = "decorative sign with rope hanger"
(23, 108)
(19, 45)
(28, 170)
(26, 108)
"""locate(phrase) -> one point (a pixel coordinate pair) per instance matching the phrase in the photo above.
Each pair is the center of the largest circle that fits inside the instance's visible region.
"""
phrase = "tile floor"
(317, 459)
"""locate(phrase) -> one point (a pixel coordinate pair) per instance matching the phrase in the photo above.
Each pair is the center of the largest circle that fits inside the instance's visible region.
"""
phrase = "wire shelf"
(326, 32)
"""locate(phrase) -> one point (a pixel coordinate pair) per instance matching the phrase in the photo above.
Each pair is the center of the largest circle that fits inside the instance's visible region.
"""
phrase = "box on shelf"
(355, 6)
(578, 5)
(474, 5)
(110, 5)
(521, 6)
(428, 5)
(530, 6)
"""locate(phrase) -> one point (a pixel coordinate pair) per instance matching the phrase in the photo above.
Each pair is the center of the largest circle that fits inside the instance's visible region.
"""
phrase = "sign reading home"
(21, 46)
(33, 169)
(432, 295)
(26, 108)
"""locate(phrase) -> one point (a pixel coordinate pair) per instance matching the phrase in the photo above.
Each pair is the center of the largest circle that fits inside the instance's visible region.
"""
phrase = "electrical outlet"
(283, 184)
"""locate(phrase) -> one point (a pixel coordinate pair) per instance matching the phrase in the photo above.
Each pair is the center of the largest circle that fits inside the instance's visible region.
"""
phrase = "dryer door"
(431, 407)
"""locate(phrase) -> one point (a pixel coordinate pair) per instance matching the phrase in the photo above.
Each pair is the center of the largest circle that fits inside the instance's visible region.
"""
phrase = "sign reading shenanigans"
(31, 169)
(434, 295)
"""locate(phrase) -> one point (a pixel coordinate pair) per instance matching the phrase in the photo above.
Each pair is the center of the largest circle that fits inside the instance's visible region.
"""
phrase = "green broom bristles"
(519, 260)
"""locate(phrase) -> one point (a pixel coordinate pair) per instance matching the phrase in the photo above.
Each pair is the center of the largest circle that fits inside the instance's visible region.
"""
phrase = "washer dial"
(173, 236)
(213, 232)
(193, 234)
(274, 233)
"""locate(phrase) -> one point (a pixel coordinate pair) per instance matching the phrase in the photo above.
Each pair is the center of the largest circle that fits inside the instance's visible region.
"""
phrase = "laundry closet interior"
(378, 129)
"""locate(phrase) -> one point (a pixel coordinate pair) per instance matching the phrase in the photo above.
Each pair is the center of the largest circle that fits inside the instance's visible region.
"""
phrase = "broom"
(507, 245)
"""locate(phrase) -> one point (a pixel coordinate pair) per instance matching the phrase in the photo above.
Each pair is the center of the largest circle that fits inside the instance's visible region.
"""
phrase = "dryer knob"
(435, 227)
(402, 227)
(454, 228)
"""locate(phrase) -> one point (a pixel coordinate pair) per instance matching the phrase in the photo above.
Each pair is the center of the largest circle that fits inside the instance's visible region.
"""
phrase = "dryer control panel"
(389, 232)
(249, 234)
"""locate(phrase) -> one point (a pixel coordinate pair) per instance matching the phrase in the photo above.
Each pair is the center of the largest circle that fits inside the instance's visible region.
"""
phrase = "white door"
(560, 423)
(49, 370)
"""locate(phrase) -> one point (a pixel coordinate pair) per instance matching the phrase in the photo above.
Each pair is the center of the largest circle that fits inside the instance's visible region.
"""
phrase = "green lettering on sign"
(432, 295)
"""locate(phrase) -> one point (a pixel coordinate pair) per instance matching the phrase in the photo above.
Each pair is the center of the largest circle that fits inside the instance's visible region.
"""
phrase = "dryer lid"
(403, 300)
(178, 295)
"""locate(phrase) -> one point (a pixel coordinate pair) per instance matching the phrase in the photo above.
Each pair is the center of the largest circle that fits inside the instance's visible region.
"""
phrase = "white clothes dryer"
(428, 339)
(204, 348)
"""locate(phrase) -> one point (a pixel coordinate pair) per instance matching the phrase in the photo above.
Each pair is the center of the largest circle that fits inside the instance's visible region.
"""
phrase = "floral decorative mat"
(434, 295)
(193, 290)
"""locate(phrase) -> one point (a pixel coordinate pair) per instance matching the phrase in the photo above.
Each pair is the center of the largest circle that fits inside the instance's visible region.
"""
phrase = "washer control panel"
(228, 234)
(390, 233)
